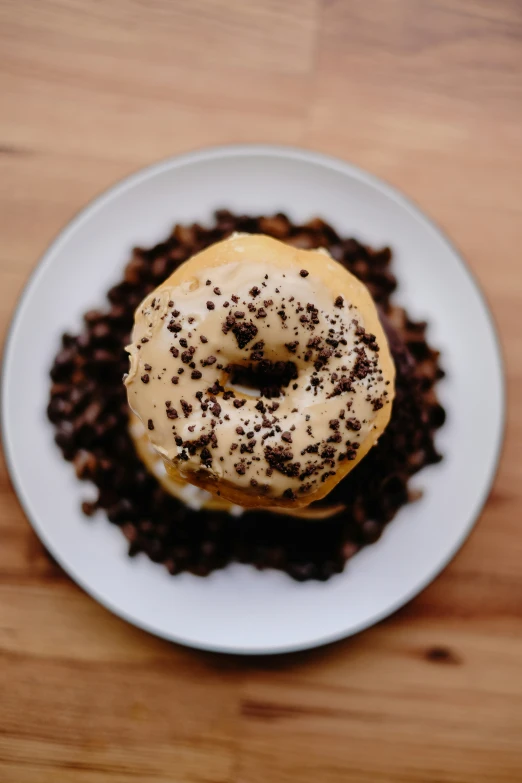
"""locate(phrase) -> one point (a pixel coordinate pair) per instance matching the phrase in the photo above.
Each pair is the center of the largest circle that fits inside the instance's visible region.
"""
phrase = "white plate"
(240, 609)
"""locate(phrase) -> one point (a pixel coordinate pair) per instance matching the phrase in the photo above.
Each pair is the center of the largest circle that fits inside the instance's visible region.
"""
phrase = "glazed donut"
(298, 323)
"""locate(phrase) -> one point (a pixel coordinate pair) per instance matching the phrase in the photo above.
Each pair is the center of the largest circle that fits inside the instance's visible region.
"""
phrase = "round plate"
(240, 609)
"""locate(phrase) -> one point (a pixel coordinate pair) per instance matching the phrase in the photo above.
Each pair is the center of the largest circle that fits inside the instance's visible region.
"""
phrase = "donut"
(261, 372)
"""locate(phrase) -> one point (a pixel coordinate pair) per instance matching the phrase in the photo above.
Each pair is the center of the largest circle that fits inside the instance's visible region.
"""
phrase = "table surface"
(427, 95)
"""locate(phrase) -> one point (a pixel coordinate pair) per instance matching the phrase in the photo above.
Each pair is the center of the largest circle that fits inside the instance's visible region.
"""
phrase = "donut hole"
(262, 379)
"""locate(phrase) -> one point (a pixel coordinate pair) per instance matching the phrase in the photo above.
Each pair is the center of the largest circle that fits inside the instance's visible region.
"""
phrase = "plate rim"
(202, 155)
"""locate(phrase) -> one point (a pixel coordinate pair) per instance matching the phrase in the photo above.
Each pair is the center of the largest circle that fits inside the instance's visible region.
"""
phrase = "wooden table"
(427, 95)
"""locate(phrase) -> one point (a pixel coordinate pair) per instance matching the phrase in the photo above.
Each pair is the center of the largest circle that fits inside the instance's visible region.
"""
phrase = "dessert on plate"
(240, 308)
(278, 402)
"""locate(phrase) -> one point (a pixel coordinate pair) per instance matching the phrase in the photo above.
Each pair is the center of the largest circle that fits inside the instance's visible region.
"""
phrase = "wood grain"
(428, 95)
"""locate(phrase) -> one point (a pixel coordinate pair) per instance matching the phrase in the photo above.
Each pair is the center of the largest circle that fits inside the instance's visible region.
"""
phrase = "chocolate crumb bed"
(88, 408)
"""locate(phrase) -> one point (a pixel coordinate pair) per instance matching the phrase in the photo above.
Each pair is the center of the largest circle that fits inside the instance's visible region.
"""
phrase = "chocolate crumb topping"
(186, 407)
(244, 333)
